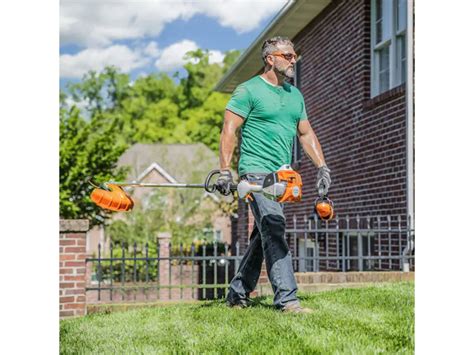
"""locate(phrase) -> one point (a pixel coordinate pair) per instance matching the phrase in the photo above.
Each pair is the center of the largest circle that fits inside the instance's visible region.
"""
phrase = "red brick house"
(169, 163)
(358, 91)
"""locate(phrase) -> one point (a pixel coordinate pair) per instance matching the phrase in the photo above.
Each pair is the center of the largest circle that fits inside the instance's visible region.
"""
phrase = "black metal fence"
(352, 244)
(203, 271)
(132, 273)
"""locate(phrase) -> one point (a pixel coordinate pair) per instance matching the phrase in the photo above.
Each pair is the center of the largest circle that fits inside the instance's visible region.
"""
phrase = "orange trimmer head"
(324, 208)
(113, 198)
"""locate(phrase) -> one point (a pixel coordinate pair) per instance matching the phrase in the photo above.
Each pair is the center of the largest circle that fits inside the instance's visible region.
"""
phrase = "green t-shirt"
(271, 115)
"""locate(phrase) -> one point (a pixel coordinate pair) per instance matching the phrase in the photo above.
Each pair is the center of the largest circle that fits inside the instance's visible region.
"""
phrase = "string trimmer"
(284, 185)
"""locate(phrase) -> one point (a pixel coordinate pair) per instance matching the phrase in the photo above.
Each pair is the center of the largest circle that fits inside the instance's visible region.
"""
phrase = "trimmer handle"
(212, 187)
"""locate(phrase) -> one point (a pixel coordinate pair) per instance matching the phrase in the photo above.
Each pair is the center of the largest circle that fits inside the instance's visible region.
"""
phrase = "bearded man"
(270, 113)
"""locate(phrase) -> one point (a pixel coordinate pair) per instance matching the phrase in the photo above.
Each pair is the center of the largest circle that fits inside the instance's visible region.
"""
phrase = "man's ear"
(270, 60)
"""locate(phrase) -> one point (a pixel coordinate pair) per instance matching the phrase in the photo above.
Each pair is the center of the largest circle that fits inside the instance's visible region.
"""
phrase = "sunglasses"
(287, 56)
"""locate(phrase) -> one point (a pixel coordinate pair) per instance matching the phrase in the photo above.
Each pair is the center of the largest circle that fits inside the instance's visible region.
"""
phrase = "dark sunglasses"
(287, 56)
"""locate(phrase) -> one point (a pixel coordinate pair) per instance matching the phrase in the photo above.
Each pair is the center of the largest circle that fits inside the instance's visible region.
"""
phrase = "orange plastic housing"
(324, 208)
(294, 185)
(114, 200)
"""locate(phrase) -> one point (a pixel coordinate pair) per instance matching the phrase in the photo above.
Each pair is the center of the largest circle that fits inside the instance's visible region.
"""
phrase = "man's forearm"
(312, 148)
(226, 148)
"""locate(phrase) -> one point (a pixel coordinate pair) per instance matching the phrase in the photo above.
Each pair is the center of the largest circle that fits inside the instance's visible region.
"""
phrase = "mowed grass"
(370, 320)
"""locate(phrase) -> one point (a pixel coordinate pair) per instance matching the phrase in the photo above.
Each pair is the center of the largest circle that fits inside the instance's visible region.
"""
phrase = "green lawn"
(376, 319)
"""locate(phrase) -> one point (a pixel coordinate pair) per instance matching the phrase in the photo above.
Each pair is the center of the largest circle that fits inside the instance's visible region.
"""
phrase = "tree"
(204, 110)
(174, 211)
(88, 149)
(118, 113)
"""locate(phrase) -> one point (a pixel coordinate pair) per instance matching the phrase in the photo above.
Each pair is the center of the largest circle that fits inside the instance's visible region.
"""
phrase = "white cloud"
(100, 22)
(152, 49)
(81, 105)
(216, 57)
(172, 56)
(241, 15)
(127, 59)
(75, 66)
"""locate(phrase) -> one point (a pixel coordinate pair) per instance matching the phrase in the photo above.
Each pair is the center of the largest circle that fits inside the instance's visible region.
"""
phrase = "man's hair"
(270, 45)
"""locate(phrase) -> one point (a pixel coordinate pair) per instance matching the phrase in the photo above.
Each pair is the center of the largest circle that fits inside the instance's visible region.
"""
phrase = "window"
(388, 43)
(307, 261)
(218, 235)
(353, 248)
(297, 150)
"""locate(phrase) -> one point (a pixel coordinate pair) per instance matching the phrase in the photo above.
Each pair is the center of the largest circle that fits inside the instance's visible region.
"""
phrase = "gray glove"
(224, 181)
(323, 180)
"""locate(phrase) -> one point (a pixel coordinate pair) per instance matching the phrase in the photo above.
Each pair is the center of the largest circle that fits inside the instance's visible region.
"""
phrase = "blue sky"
(146, 36)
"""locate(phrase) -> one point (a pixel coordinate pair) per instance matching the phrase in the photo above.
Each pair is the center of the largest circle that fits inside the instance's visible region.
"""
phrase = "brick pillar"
(72, 267)
(164, 240)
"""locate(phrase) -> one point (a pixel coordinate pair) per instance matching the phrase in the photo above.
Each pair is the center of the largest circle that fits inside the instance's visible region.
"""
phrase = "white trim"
(389, 23)
(167, 176)
(159, 168)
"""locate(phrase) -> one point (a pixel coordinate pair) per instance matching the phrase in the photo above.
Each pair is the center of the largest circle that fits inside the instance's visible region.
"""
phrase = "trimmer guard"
(114, 200)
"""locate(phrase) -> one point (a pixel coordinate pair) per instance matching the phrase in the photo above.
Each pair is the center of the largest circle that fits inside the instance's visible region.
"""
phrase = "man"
(270, 113)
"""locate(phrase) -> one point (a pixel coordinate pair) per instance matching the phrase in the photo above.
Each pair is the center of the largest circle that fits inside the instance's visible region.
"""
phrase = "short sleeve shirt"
(271, 115)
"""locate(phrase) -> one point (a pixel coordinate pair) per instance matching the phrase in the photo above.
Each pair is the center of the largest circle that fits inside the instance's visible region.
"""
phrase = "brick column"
(72, 267)
(164, 239)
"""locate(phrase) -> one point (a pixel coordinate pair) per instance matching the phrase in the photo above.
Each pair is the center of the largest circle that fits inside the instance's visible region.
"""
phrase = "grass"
(370, 320)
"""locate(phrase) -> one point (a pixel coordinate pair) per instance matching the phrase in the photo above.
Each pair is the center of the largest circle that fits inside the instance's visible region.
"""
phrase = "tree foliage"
(173, 211)
(88, 149)
(105, 113)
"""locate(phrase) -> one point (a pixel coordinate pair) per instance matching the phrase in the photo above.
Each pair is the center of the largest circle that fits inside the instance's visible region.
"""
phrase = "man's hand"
(224, 181)
(323, 180)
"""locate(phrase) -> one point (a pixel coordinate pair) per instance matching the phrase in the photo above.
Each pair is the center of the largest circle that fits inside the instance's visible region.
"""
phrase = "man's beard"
(288, 73)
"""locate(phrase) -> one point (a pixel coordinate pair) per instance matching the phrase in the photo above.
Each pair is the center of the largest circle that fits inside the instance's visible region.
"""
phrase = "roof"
(291, 19)
(186, 163)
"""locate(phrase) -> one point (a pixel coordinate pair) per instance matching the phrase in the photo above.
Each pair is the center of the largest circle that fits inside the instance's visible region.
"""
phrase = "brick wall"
(72, 267)
(363, 138)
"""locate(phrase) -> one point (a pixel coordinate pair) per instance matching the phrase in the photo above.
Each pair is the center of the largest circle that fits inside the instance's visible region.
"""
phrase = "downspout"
(409, 139)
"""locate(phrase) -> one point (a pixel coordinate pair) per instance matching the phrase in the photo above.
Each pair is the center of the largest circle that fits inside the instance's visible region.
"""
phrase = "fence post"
(72, 267)
(164, 239)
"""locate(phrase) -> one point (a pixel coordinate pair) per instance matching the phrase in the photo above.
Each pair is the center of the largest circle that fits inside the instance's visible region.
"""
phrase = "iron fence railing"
(352, 244)
(203, 271)
(206, 268)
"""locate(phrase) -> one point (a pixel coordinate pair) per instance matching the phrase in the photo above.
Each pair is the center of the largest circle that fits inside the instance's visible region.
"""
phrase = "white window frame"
(218, 235)
(391, 41)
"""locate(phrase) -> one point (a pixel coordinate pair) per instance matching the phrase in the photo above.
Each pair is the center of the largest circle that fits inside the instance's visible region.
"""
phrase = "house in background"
(170, 163)
(357, 85)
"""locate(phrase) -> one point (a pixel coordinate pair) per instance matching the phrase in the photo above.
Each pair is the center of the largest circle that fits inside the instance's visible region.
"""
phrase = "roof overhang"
(291, 19)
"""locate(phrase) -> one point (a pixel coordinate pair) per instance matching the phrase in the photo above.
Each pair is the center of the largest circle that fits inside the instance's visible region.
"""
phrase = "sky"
(149, 36)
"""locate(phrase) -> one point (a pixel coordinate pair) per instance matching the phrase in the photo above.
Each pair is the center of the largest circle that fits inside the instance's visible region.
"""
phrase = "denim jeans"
(266, 241)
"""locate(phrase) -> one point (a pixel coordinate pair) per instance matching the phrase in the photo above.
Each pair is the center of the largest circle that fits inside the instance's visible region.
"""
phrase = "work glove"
(224, 181)
(323, 180)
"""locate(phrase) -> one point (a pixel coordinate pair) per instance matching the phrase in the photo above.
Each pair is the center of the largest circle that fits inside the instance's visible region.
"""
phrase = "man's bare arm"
(228, 141)
(310, 143)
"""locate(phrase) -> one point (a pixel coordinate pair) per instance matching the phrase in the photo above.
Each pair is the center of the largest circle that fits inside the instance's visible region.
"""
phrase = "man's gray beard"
(289, 73)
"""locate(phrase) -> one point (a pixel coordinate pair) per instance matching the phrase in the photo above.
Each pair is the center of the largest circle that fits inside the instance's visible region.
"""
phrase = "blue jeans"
(267, 240)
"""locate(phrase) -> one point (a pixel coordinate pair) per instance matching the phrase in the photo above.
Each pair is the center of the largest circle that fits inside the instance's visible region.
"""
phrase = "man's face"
(283, 61)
